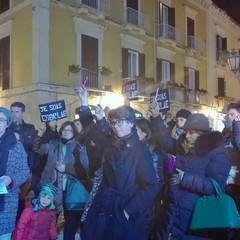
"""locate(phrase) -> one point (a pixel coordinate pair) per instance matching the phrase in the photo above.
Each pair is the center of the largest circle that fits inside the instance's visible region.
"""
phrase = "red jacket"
(39, 225)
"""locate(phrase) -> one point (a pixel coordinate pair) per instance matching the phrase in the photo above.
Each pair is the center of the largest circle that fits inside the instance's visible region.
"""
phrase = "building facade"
(49, 47)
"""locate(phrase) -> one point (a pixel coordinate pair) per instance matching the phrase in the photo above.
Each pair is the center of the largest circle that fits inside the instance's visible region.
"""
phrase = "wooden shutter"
(224, 44)
(172, 72)
(171, 17)
(124, 62)
(89, 53)
(221, 87)
(160, 16)
(141, 64)
(196, 80)
(5, 63)
(159, 70)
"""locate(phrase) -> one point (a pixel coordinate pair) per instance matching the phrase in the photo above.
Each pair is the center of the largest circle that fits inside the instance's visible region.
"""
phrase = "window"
(165, 71)
(192, 82)
(90, 60)
(221, 47)
(166, 15)
(133, 62)
(5, 63)
(4, 5)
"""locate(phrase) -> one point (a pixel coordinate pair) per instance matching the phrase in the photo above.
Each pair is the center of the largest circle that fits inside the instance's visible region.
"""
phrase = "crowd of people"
(114, 176)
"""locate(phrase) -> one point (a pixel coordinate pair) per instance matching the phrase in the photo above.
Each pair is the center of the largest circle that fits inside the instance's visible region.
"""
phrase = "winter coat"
(209, 159)
(40, 225)
(26, 133)
(17, 169)
(55, 156)
(129, 183)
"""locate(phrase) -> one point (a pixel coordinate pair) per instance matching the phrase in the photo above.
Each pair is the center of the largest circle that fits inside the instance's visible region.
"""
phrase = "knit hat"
(197, 121)
(50, 190)
(8, 115)
(184, 113)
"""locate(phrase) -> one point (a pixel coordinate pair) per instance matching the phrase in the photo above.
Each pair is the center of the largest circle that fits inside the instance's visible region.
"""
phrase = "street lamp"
(234, 63)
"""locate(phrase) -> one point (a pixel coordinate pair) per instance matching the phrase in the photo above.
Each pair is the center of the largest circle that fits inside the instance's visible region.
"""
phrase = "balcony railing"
(90, 77)
(168, 32)
(101, 6)
(137, 18)
(194, 43)
(222, 56)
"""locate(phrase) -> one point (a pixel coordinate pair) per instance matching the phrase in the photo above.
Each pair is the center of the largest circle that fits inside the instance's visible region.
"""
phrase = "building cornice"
(208, 5)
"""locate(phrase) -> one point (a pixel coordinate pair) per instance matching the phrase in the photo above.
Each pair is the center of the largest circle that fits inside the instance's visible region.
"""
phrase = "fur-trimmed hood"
(208, 141)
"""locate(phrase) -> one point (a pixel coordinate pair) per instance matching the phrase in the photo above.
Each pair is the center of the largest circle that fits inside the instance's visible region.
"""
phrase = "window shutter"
(196, 80)
(221, 87)
(159, 70)
(160, 20)
(5, 63)
(224, 44)
(141, 65)
(172, 72)
(171, 17)
(124, 63)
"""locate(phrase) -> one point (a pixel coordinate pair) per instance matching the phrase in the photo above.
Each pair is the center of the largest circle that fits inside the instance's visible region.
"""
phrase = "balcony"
(91, 78)
(194, 45)
(167, 33)
(97, 8)
(222, 56)
(136, 19)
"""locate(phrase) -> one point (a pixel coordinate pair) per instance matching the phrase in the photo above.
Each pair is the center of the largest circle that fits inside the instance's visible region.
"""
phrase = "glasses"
(118, 122)
(2, 120)
(67, 130)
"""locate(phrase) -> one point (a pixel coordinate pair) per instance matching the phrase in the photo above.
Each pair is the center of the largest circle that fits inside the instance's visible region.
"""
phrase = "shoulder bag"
(215, 211)
(76, 195)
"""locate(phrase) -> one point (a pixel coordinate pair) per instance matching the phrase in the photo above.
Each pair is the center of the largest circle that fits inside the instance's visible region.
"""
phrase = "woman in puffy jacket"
(200, 156)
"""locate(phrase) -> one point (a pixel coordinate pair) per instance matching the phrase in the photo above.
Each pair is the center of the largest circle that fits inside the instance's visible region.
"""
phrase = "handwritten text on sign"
(129, 90)
(162, 98)
(52, 111)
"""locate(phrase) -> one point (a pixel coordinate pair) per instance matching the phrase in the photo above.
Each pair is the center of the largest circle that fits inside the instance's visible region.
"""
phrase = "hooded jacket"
(40, 225)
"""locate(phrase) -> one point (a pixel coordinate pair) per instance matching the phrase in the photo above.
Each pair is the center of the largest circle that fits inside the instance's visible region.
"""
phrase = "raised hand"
(83, 95)
(41, 129)
(153, 110)
(99, 112)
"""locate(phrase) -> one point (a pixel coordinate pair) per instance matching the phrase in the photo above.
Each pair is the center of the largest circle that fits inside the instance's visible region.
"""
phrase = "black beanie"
(184, 113)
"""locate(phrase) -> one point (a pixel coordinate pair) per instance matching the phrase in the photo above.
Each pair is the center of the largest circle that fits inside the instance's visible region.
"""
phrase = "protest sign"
(129, 90)
(52, 111)
(162, 97)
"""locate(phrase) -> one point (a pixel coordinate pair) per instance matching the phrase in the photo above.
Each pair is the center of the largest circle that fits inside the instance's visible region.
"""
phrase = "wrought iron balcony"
(222, 56)
(195, 44)
(136, 18)
(166, 31)
(101, 6)
(84, 75)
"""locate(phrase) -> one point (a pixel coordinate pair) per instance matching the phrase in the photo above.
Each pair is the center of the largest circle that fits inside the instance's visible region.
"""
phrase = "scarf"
(187, 146)
(7, 141)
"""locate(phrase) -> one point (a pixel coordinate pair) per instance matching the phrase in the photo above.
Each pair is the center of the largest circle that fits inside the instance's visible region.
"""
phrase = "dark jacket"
(208, 159)
(26, 133)
(129, 183)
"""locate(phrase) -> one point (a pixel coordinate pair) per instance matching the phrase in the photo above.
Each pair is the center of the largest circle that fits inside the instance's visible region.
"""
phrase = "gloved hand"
(176, 178)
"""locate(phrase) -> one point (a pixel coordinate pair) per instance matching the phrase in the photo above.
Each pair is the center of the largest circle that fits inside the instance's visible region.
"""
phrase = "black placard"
(129, 90)
(162, 98)
(52, 111)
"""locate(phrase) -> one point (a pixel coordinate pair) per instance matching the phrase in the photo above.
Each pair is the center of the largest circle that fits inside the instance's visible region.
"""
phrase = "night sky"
(232, 7)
